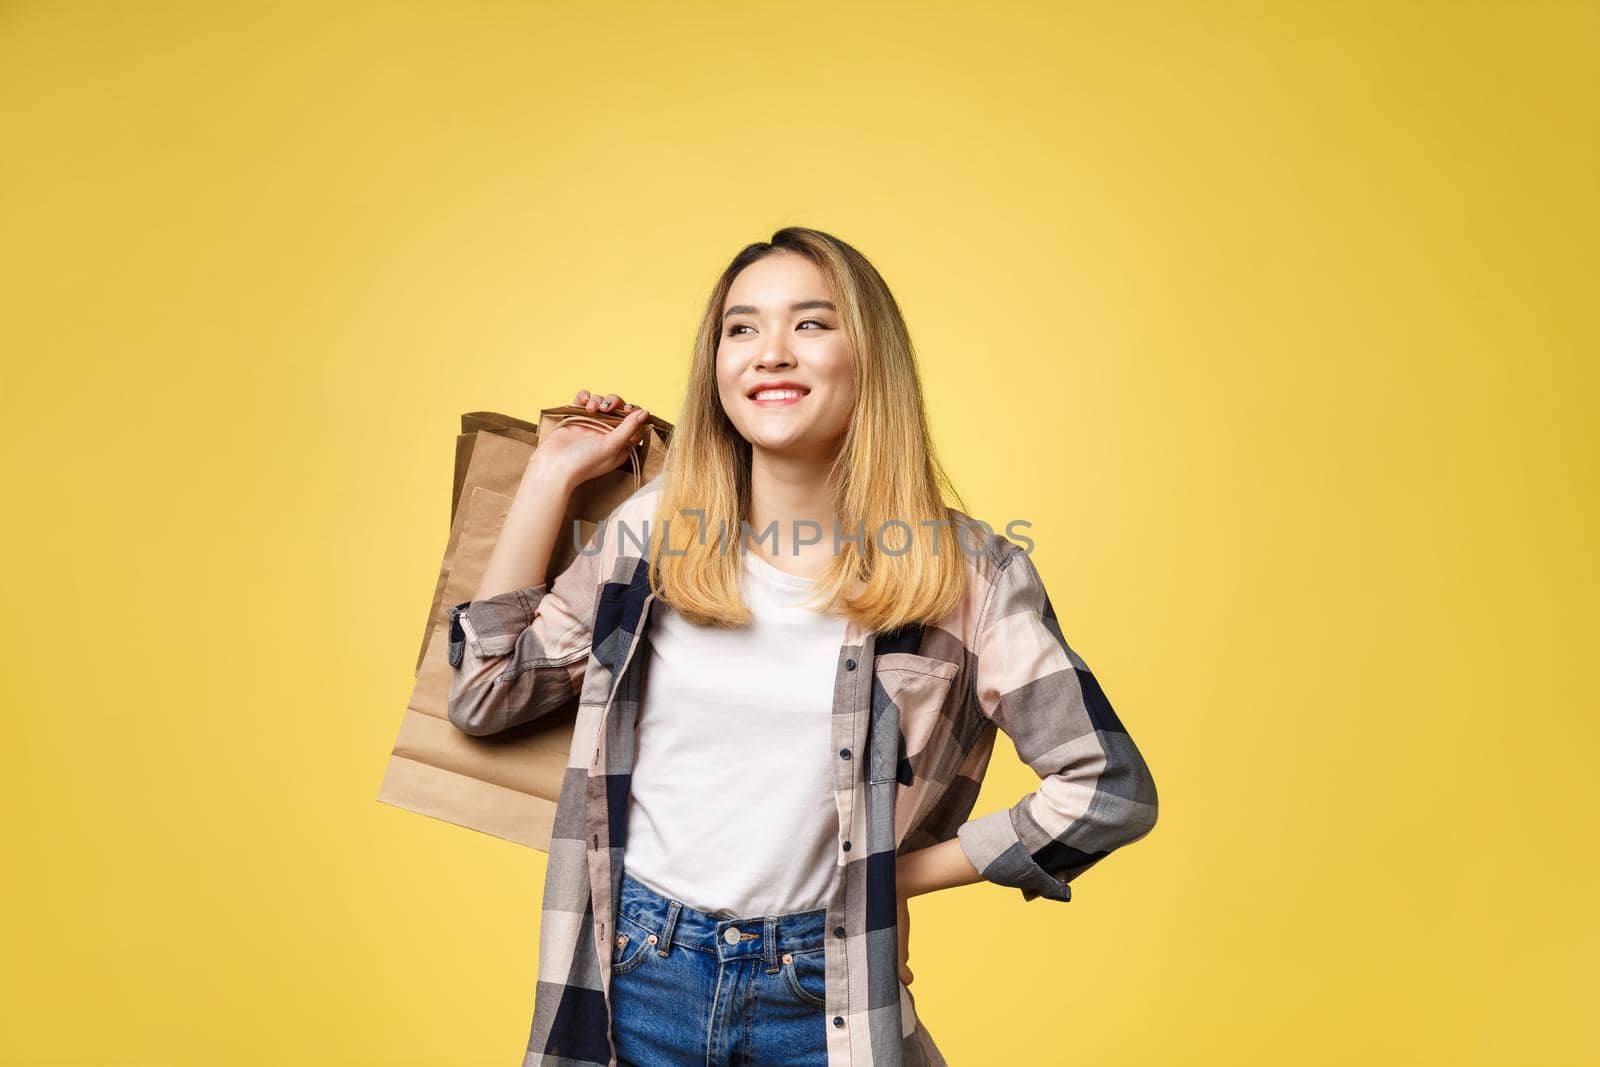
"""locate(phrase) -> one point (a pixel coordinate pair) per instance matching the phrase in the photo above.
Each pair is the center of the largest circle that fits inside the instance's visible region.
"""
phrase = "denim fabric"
(689, 987)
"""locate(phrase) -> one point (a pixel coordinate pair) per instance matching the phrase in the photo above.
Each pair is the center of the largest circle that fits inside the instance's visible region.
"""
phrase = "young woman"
(789, 658)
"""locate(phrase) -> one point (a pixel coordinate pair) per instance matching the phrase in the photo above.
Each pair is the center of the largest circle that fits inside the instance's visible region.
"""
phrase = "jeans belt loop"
(672, 922)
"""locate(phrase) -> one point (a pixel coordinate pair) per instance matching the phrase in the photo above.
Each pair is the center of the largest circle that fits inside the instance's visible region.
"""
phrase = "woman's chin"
(783, 445)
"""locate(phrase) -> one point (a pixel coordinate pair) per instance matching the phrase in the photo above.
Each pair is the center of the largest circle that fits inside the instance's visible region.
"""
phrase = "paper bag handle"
(633, 450)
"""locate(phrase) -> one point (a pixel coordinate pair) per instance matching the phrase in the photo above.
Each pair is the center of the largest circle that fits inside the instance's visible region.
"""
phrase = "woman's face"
(779, 327)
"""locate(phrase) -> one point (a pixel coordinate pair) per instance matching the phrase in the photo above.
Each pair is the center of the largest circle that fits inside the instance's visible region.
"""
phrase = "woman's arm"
(521, 555)
(941, 866)
(519, 649)
(569, 457)
(1096, 793)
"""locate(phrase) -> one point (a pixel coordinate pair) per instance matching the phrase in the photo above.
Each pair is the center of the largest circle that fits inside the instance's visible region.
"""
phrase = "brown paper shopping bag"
(506, 784)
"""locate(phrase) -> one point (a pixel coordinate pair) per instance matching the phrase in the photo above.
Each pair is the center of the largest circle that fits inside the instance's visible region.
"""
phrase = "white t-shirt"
(732, 807)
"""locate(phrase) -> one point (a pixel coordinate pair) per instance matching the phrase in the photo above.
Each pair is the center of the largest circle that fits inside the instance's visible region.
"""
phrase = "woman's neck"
(790, 493)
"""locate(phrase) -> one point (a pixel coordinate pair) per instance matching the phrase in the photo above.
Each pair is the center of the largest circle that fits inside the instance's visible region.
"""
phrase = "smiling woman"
(819, 403)
(779, 743)
(785, 375)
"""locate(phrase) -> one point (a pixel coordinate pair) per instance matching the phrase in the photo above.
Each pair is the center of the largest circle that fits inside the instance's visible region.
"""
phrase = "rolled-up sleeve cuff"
(993, 847)
(491, 625)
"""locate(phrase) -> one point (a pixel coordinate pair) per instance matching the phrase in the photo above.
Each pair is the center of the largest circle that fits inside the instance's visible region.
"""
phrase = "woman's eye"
(733, 331)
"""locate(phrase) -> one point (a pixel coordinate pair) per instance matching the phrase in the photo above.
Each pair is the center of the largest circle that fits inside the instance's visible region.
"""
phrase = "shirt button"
(844, 753)
(849, 664)
(838, 1020)
(838, 931)
(731, 935)
(847, 846)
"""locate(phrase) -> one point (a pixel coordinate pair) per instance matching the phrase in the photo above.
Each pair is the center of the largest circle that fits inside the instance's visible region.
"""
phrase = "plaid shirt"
(914, 718)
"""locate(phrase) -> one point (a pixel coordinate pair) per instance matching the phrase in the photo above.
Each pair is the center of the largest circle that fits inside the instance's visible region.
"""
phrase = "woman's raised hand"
(577, 452)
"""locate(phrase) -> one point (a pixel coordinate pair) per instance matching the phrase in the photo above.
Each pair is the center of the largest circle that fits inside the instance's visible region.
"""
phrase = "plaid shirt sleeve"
(1095, 793)
(521, 654)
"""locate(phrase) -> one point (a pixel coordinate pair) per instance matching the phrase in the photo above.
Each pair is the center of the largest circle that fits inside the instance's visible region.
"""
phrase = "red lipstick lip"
(781, 384)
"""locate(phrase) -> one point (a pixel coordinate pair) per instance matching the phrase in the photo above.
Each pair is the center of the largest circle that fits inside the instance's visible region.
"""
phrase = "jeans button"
(731, 935)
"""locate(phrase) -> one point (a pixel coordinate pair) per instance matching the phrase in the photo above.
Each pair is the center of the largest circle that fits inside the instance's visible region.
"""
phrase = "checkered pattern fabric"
(914, 719)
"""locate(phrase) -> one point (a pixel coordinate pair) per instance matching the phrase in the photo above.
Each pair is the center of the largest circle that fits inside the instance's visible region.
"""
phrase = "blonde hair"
(885, 470)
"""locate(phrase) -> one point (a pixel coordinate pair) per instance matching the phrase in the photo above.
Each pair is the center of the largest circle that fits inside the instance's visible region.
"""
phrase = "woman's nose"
(778, 357)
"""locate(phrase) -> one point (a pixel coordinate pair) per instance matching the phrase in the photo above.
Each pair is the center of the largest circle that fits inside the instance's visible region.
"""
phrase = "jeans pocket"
(632, 946)
(807, 975)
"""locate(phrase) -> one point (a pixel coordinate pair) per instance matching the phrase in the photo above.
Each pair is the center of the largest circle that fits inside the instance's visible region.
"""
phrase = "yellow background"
(1270, 317)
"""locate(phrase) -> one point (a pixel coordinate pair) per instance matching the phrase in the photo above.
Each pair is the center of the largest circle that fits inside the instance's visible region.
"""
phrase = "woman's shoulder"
(637, 508)
(987, 552)
(642, 501)
(987, 548)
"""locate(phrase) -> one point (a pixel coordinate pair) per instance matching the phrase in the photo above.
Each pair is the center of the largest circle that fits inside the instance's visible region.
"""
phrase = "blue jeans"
(689, 987)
